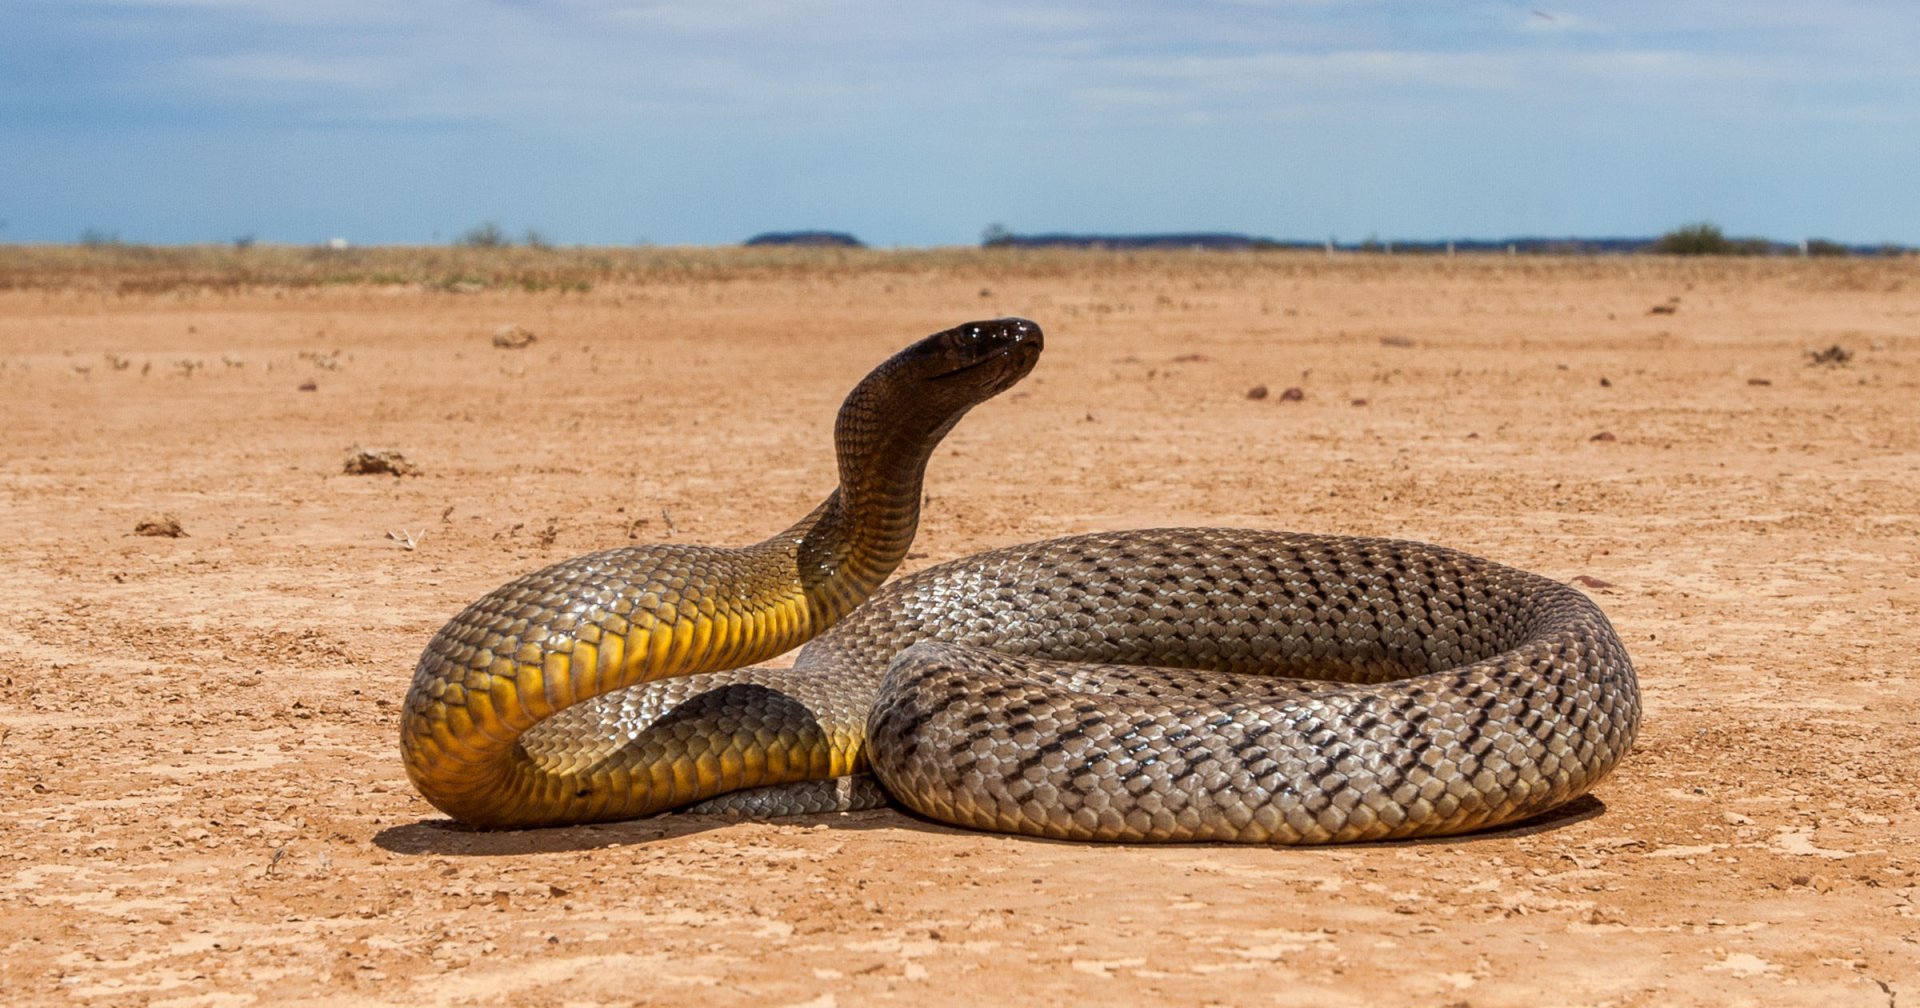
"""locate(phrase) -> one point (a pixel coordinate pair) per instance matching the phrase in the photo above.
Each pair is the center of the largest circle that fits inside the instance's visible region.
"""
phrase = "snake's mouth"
(991, 360)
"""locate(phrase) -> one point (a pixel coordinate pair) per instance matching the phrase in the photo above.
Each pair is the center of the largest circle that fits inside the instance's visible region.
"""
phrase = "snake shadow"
(1578, 810)
(444, 837)
(448, 838)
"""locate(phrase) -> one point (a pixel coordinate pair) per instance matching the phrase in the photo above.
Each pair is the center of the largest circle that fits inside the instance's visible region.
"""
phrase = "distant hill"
(832, 239)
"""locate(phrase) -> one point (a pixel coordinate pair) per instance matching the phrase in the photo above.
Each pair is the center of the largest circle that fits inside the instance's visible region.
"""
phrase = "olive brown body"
(1171, 684)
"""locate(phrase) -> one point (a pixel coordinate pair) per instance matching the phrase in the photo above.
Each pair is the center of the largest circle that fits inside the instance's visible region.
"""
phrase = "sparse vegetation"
(1694, 239)
(486, 236)
(1823, 247)
(1706, 238)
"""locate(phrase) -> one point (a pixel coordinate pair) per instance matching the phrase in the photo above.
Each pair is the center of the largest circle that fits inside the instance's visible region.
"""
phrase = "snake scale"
(1153, 685)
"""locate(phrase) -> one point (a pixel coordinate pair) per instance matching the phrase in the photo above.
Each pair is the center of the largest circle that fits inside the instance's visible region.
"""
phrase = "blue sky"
(606, 122)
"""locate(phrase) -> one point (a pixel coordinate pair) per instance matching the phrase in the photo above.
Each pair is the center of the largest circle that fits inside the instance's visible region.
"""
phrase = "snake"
(1155, 685)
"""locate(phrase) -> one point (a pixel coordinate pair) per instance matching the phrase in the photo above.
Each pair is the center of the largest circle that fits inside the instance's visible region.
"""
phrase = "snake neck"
(838, 562)
(604, 622)
(883, 437)
(860, 534)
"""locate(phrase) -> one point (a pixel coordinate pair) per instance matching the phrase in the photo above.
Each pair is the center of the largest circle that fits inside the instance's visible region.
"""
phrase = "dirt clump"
(166, 526)
(378, 462)
(513, 337)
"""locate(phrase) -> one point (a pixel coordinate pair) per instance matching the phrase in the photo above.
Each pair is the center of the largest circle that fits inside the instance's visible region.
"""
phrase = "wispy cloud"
(287, 68)
(513, 60)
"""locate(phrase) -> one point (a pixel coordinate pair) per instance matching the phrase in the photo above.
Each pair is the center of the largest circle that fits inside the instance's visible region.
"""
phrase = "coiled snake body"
(1169, 684)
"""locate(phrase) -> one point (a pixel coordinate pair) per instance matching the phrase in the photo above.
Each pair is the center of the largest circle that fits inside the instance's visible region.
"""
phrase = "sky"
(922, 123)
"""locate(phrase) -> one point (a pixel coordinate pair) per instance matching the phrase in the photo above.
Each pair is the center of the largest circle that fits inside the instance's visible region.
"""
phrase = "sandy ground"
(201, 801)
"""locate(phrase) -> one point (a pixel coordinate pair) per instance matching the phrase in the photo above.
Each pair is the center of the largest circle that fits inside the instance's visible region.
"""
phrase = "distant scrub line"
(1692, 239)
(486, 259)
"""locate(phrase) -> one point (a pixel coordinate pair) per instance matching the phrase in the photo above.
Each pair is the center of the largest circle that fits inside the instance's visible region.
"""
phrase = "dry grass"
(146, 269)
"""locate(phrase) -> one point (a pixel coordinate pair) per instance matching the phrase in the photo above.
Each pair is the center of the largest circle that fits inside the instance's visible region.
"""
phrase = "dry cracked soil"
(201, 801)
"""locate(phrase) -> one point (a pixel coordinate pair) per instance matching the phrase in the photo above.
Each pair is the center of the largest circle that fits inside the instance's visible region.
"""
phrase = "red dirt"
(201, 802)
